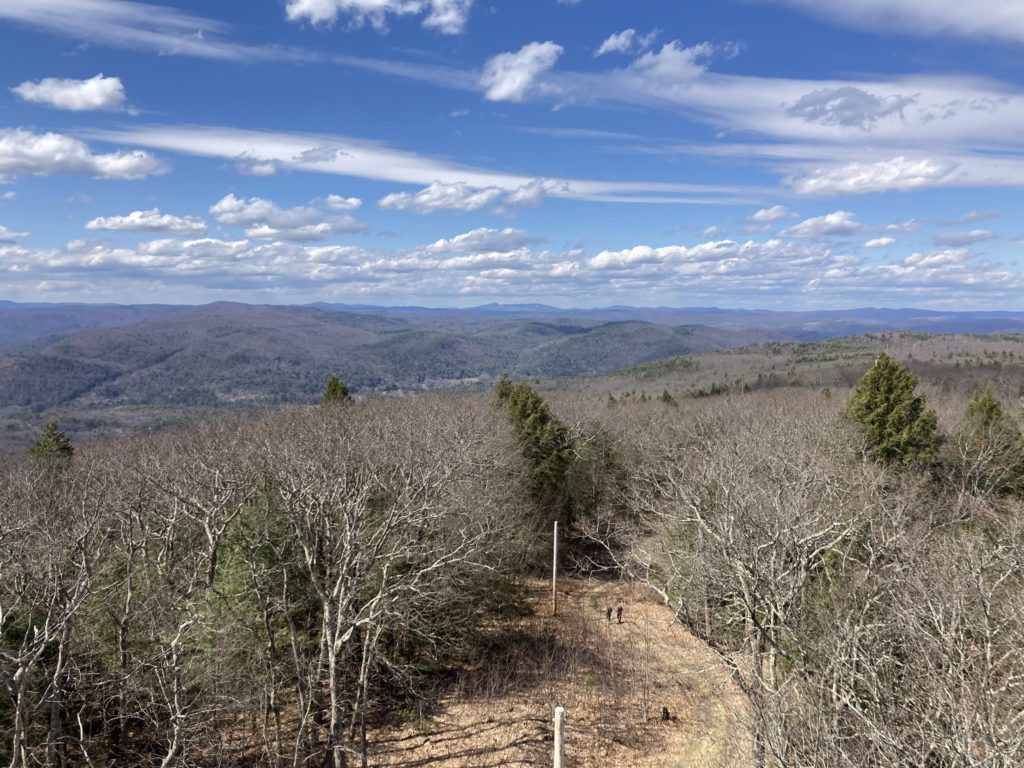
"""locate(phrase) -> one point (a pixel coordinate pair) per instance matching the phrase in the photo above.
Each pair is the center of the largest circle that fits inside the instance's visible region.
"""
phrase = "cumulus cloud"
(486, 239)
(958, 239)
(510, 263)
(339, 203)
(771, 215)
(43, 154)
(257, 210)
(847, 106)
(7, 236)
(835, 224)
(722, 266)
(937, 258)
(446, 16)
(149, 221)
(265, 220)
(900, 173)
(96, 93)
(714, 233)
(674, 64)
(440, 196)
(249, 164)
(880, 242)
(531, 195)
(460, 196)
(509, 76)
(627, 41)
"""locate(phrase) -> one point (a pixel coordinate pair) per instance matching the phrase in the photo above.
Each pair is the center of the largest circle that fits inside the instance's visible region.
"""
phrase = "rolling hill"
(105, 368)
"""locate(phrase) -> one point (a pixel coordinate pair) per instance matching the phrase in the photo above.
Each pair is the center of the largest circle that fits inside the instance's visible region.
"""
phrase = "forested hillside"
(106, 379)
(326, 585)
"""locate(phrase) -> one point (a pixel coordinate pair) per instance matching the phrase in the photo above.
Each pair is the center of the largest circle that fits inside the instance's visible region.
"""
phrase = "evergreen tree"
(546, 443)
(899, 429)
(336, 392)
(985, 412)
(993, 444)
(52, 444)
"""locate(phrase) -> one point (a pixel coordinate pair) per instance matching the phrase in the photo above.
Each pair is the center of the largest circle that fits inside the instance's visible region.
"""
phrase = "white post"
(554, 574)
(559, 736)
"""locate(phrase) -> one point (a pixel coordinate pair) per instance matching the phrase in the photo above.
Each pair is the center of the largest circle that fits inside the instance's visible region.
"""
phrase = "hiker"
(608, 614)
(618, 614)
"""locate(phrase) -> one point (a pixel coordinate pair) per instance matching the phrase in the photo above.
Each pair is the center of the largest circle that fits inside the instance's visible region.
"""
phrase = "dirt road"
(613, 679)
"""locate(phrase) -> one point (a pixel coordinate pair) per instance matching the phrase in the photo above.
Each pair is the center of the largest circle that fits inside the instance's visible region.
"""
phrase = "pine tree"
(985, 412)
(52, 445)
(992, 442)
(336, 392)
(899, 429)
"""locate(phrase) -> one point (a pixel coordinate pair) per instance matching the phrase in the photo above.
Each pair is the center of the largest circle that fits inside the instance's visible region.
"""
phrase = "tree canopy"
(991, 445)
(52, 444)
(899, 429)
(336, 392)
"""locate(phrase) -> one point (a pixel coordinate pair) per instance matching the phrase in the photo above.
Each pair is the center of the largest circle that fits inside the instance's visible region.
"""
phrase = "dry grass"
(612, 679)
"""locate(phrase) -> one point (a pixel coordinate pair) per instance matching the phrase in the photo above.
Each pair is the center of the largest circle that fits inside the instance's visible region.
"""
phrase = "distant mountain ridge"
(112, 366)
(238, 354)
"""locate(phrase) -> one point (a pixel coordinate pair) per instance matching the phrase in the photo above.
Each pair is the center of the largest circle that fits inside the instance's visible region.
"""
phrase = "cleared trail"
(613, 679)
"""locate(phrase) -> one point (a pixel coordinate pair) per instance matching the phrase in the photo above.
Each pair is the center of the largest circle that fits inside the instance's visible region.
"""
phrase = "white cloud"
(714, 233)
(8, 195)
(674, 64)
(937, 258)
(265, 220)
(7, 236)
(257, 210)
(880, 242)
(983, 19)
(773, 214)
(627, 41)
(509, 76)
(440, 196)
(249, 165)
(463, 197)
(948, 119)
(835, 224)
(43, 154)
(900, 173)
(339, 203)
(138, 26)
(379, 162)
(958, 239)
(971, 217)
(485, 239)
(96, 93)
(304, 233)
(511, 264)
(532, 194)
(149, 221)
(910, 225)
(446, 16)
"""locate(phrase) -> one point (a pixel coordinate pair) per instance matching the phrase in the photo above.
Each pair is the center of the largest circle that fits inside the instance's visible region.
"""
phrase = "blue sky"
(743, 153)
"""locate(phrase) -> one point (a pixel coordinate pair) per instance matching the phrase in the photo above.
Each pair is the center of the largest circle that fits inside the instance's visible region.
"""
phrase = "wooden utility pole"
(554, 574)
(559, 736)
